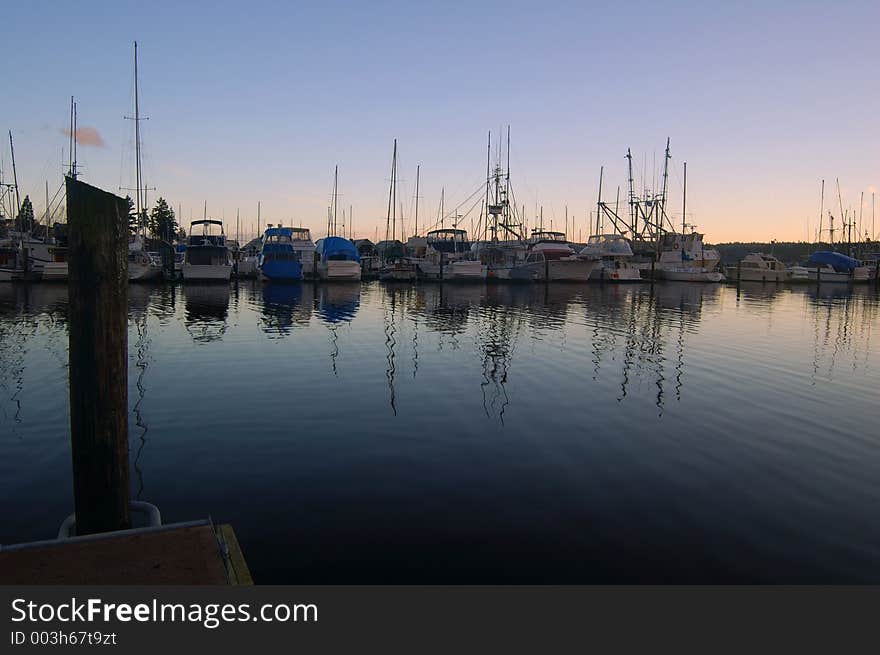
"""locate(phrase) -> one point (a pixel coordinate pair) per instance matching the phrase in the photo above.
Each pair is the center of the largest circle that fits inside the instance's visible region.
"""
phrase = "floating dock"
(193, 553)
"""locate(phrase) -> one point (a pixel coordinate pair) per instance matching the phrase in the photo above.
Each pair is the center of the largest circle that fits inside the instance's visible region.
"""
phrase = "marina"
(506, 371)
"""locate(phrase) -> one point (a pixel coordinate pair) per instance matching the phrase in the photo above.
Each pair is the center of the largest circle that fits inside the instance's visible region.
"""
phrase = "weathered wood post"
(98, 305)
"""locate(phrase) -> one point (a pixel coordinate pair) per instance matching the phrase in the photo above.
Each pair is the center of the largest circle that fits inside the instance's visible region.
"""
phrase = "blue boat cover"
(337, 248)
(279, 232)
(840, 262)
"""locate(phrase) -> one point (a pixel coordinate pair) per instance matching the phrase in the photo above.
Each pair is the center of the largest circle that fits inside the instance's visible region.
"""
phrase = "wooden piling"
(98, 310)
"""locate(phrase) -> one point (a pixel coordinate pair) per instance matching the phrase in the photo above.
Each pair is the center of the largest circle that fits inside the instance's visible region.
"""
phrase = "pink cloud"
(86, 136)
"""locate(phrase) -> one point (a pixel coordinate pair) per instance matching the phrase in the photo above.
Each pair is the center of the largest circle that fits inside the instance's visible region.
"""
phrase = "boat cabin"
(448, 240)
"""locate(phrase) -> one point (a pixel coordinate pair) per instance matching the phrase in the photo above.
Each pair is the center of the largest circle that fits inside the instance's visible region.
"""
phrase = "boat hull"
(55, 272)
(342, 271)
(206, 273)
(562, 270)
(143, 272)
(609, 274)
(755, 275)
(281, 271)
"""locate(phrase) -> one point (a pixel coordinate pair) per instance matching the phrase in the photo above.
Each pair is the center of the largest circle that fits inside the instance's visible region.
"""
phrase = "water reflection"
(337, 305)
(207, 308)
(540, 414)
(282, 309)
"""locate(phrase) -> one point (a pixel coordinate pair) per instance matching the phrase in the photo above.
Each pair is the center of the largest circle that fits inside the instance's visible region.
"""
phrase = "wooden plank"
(239, 572)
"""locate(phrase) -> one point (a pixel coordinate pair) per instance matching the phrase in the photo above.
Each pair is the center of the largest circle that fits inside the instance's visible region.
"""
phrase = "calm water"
(381, 434)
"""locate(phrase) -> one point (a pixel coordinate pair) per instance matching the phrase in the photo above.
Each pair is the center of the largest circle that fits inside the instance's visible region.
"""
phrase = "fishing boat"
(447, 255)
(504, 254)
(278, 261)
(552, 259)
(207, 257)
(337, 259)
(758, 267)
(615, 258)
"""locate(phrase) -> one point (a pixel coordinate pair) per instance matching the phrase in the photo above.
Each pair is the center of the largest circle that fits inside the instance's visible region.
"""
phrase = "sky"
(258, 102)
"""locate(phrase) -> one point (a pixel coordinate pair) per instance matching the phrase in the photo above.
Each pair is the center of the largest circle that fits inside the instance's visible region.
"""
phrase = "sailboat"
(337, 258)
(683, 265)
(397, 267)
(142, 265)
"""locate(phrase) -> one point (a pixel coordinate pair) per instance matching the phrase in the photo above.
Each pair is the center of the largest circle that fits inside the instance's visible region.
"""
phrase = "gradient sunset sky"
(258, 101)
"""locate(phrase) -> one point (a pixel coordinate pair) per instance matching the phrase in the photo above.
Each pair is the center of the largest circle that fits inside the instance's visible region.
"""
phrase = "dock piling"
(98, 334)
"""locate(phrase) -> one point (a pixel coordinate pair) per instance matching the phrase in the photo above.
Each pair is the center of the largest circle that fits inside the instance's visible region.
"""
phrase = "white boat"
(301, 239)
(338, 260)
(690, 274)
(505, 260)
(207, 257)
(142, 265)
(447, 257)
(615, 258)
(552, 259)
(758, 267)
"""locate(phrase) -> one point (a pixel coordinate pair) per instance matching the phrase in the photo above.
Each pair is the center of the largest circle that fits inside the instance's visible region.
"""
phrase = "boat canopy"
(337, 249)
(546, 235)
(840, 262)
(279, 233)
(605, 245)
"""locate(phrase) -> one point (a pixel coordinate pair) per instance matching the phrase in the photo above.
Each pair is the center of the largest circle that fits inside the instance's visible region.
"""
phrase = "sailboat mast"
(684, 197)
(840, 203)
(137, 136)
(390, 192)
(14, 176)
(821, 211)
(599, 201)
(394, 200)
(70, 142)
(416, 230)
(488, 179)
(74, 140)
(335, 195)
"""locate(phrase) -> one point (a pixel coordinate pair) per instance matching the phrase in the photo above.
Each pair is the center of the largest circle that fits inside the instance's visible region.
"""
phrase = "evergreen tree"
(132, 215)
(24, 222)
(163, 224)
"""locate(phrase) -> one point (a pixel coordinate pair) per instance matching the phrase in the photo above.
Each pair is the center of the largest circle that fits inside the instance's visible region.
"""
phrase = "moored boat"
(758, 267)
(615, 258)
(552, 259)
(337, 259)
(279, 261)
(207, 257)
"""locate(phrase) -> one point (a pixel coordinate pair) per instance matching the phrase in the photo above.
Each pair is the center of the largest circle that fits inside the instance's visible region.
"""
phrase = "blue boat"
(279, 261)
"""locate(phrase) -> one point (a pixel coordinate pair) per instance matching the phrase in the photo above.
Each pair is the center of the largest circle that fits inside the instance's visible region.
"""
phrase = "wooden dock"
(194, 553)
